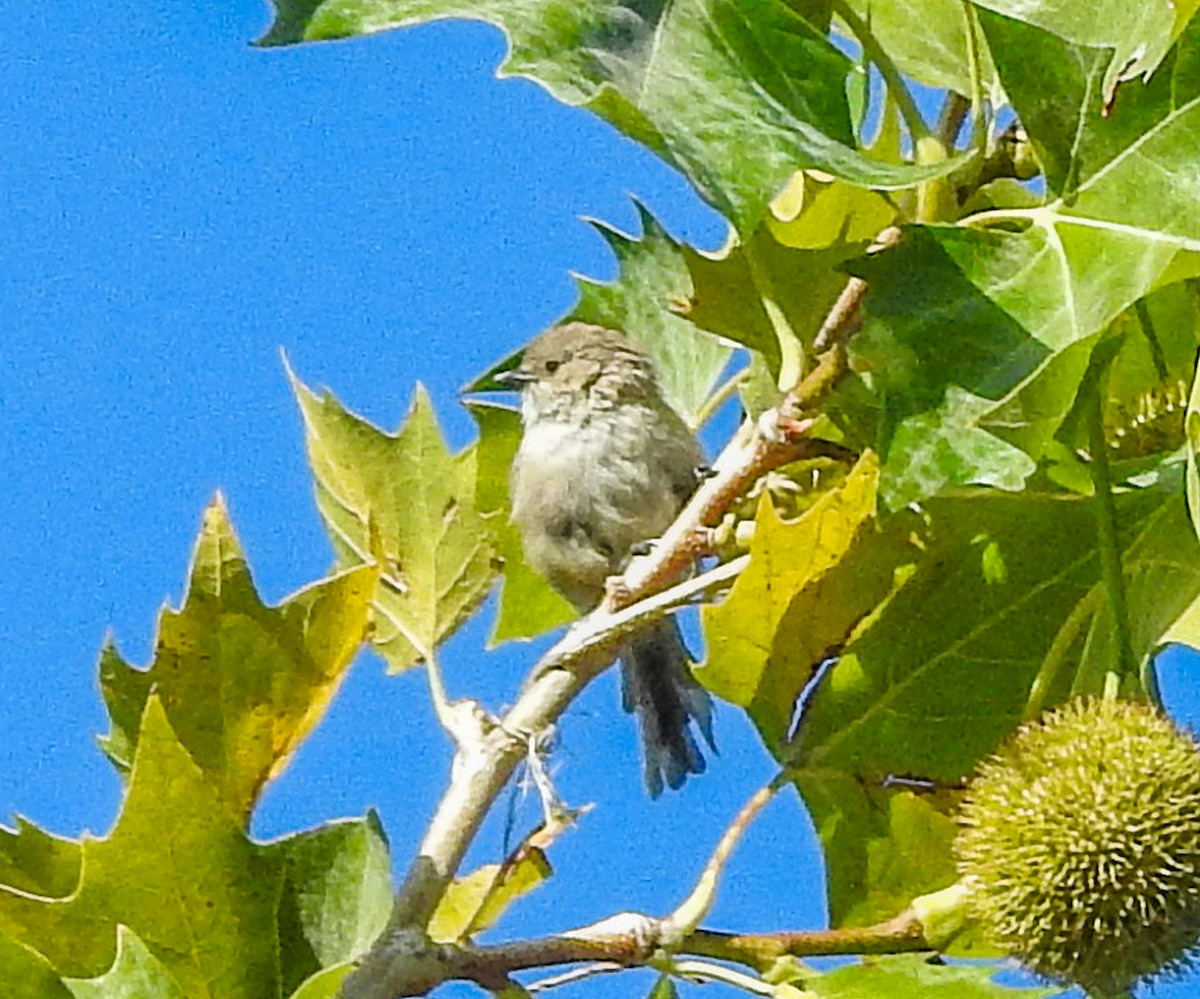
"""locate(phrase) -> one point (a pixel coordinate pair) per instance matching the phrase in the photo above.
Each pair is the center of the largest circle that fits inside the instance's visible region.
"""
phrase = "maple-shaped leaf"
(176, 901)
(242, 683)
(405, 502)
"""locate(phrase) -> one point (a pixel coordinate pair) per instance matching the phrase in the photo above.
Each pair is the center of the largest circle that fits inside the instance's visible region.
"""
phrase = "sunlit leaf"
(643, 303)
(918, 976)
(324, 984)
(994, 314)
(691, 80)
(1137, 35)
(34, 861)
(1129, 170)
(475, 901)
(28, 975)
(177, 870)
(795, 261)
(944, 666)
(406, 501)
(926, 40)
(894, 841)
(241, 682)
(754, 662)
(136, 974)
(336, 896)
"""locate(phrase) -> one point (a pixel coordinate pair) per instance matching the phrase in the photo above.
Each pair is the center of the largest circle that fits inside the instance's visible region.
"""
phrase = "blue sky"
(178, 208)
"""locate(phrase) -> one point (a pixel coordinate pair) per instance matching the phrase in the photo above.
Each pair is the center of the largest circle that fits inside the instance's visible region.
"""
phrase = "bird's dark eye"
(552, 366)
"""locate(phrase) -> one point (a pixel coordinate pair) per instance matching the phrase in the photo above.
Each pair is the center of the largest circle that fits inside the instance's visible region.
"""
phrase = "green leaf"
(653, 278)
(943, 667)
(663, 988)
(178, 871)
(896, 841)
(28, 975)
(917, 976)
(36, 862)
(136, 974)
(324, 984)
(1131, 172)
(947, 445)
(1136, 34)
(529, 605)
(752, 660)
(795, 257)
(815, 211)
(475, 901)
(242, 683)
(736, 94)
(926, 40)
(336, 897)
(995, 314)
(405, 501)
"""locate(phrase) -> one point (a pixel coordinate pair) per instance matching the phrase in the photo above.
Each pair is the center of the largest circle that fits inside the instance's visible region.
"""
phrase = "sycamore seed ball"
(1080, 843)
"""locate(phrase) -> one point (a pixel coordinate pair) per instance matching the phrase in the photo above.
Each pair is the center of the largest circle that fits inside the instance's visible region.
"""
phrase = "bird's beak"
(513, 378)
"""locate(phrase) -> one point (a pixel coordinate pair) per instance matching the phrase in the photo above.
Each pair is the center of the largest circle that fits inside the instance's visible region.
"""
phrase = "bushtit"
(603, 466)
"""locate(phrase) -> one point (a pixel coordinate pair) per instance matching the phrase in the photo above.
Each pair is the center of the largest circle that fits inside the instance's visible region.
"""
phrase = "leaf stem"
(1146, 321)
(719, 397)
(1106, 527)
(905, 101)
(706, 971)
(975, 68)
(1056, 656)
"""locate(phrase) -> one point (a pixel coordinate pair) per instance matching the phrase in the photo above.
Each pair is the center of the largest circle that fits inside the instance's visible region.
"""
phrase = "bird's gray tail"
(657, 686)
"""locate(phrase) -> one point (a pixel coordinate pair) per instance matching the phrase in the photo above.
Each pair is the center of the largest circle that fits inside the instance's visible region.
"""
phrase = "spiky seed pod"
(1080, 843)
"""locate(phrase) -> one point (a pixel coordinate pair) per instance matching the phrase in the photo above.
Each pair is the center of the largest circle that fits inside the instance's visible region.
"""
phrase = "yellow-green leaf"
(474, 902)
(135, 973)
(406, 501)
(178, 871)
(26, 974)
(815, 211)
(751, 662)
(242, 683)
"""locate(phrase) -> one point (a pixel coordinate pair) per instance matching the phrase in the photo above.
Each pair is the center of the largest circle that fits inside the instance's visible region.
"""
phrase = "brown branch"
(761, 950)
(843, 319)
(483, 764)
(632, 940)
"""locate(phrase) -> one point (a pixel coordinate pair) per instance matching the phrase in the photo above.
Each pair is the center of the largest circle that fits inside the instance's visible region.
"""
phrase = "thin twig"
(842, 320)
(687, 915)
(630, 940)
(761, 950)
(950, 119)
(402, 961)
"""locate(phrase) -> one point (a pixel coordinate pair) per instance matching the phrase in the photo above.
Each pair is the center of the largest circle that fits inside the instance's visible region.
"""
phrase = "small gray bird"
(603, 466)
